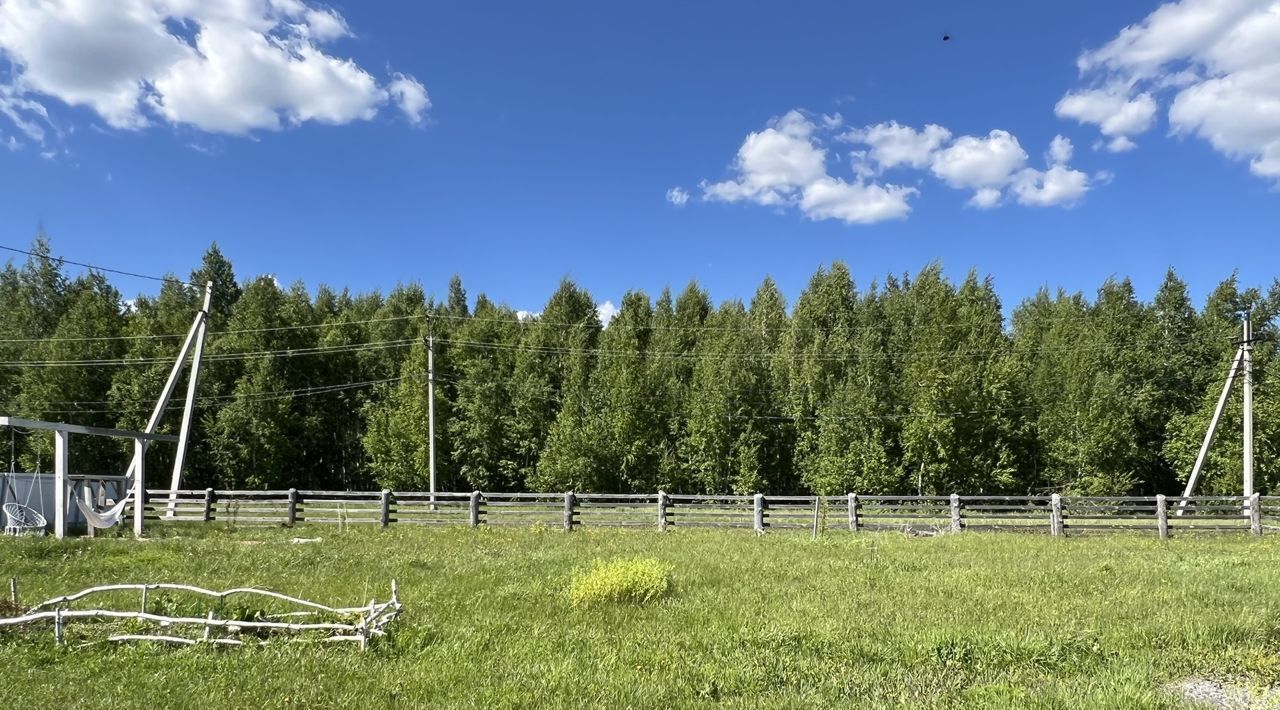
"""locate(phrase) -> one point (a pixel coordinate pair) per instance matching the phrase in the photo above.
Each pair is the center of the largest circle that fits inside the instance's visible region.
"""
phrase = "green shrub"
(621, 582)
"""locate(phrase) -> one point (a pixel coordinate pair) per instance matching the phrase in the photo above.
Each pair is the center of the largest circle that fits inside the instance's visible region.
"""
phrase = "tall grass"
(868, 620)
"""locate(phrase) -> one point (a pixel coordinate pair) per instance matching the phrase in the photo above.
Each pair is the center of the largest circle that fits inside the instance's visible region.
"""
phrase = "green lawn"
(865, 620)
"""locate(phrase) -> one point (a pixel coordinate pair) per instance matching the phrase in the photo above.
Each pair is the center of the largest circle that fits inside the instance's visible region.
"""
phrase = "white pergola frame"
(62, 460)
(62, 432)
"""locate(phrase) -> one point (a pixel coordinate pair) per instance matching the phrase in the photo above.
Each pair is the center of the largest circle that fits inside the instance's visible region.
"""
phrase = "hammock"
(101, 518)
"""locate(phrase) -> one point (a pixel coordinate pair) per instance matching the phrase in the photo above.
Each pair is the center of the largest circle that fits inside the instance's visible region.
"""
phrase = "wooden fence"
(1055, 515)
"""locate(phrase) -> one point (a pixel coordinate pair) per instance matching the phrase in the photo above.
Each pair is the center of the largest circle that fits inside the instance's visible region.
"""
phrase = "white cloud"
(976, 163)
(12, 144)
(774, 163)
(1060, 150)
(410, 95)
(785, 165)
(1112, 110)
(225, 66)
(1059, 185)
(606, 312)
(523, 316)
(984, 198)
(1216, 62)
(855, 203)
(26, 114)
(892, 144)
(678, 196)
(1120, 144)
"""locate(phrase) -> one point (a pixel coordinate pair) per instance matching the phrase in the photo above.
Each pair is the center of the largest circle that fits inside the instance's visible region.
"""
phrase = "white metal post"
(61, 461)
(139, 485)
(1246, 350)
(431, 415)
(188, 407)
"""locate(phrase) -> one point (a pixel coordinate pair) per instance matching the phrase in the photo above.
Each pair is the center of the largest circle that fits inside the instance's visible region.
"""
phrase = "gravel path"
(1214, 694)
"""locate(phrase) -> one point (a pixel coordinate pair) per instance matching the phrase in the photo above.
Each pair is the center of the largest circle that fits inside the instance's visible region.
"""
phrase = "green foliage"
(917, 384)
(625, 581)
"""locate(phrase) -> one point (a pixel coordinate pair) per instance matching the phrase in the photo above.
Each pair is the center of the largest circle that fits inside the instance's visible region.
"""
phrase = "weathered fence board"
(1055, 515)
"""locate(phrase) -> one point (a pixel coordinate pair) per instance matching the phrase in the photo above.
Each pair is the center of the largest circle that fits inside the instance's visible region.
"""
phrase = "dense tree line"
(913, 384)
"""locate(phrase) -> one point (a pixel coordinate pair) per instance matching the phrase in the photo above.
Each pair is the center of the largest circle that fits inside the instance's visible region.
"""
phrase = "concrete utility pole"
(1242, 364)
(431, 414)
(1246, 349)
(188, 407)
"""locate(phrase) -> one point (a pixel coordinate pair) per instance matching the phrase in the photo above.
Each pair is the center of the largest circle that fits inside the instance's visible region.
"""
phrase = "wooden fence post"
(957, 524)
(475, 509)
(1055, 515)
(293, 507)
(207, 514)
(386, 508)
(758, 511)
(1162, 516)
(1255, 514)
(853, 512)
(570, 501)
(662, 510)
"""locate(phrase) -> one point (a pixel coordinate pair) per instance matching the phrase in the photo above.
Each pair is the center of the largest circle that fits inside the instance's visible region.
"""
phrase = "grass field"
(868, 620)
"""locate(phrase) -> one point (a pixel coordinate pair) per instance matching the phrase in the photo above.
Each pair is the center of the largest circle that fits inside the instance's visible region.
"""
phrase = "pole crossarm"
(81, 429)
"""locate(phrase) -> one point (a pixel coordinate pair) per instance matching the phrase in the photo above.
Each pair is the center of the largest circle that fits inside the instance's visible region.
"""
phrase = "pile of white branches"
(359, 624)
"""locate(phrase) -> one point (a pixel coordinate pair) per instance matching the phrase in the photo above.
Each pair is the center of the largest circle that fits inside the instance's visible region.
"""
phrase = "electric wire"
(163, 279)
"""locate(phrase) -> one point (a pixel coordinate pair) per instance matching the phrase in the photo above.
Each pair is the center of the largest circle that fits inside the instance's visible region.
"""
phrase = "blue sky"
(554, 132)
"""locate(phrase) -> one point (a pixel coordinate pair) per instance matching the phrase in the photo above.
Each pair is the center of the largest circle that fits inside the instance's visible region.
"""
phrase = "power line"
(162, 279)
(252, 397)
(800, 354)
(216, 357)
(217, 334)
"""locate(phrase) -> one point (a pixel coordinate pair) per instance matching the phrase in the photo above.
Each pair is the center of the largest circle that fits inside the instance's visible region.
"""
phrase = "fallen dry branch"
(370, 621)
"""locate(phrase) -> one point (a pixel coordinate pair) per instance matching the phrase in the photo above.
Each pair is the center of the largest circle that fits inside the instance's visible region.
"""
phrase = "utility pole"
(1203, 456)
(1242, 364)
(1246, 349)
(201, 329)
(431, 413)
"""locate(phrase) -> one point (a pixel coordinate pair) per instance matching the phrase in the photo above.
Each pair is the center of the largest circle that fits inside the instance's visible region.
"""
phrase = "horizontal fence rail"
(1054, 515)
